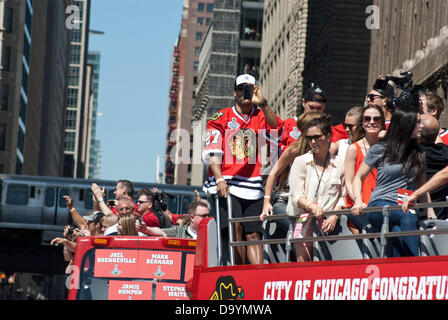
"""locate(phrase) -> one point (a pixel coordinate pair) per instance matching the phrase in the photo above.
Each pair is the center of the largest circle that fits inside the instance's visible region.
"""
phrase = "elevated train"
(37, 203)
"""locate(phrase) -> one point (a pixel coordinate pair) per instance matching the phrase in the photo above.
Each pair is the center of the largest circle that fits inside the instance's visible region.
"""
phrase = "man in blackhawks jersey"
(232, 152)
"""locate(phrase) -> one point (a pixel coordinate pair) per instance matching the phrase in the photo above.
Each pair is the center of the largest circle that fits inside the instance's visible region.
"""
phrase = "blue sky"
(136, 54)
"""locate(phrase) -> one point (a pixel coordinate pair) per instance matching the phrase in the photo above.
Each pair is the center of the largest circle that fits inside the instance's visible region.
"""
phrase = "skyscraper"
(34, 58)
(196, 18)
(94, 161)
(75, 137)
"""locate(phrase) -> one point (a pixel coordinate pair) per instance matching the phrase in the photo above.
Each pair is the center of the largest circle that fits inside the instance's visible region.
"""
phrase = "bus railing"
(383, 235)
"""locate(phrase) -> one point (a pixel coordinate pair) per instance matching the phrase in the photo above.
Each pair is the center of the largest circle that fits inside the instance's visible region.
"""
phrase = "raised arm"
(77, 218)
(99, 197)
(259, 100)
(437, 180)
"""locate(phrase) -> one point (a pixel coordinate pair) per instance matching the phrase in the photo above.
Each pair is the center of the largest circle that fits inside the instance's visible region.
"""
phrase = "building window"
(197, 50)
(75, 54)
(201, 6)
(70, 121)
(21, 140)
(70, 141)
(200, 21)
(198, 35)
(6, 58)
(196, 65)
(72, 98)
(4, 97)
(209, 7)
(2, 137)
(208, 21)
(76, 35)
(9, 15)
(73, 76)
(22, 111)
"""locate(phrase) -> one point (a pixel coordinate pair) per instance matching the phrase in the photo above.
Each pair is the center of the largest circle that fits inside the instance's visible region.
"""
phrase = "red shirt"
(151, 219)
(338, 133)
(444, 137)
(290, 133)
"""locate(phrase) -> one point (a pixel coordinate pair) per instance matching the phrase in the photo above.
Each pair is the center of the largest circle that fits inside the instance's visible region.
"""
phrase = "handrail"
(343, 237)
(442, 204)
(383, 235)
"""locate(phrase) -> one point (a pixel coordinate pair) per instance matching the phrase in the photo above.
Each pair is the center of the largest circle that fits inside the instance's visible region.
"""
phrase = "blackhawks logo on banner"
(226, 289)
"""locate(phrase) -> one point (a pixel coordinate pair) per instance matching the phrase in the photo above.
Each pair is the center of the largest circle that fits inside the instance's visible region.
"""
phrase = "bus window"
(33, 192)
(62, 202)
(17, 194)
(172, 204)
(81, 194)
(186, 200)
(49, 197)
(88, 202)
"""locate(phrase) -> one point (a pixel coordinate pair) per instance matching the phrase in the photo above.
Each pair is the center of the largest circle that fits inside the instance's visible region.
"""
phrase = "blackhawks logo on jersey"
(244, 144)
(216, 116)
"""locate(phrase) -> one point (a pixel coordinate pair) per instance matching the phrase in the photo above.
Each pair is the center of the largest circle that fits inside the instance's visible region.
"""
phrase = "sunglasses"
(368, 119)
(315, 138)
(349, 126)
(372, 96)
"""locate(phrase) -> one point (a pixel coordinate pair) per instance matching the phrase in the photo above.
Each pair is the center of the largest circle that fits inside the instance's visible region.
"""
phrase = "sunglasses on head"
(368, 119)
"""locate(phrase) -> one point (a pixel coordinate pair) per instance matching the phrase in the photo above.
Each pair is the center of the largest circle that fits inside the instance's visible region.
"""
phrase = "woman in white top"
(316, 185)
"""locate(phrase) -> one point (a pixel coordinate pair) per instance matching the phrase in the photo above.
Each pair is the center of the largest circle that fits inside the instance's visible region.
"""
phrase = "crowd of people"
(124, 217)
(390, 150)
(382, 154)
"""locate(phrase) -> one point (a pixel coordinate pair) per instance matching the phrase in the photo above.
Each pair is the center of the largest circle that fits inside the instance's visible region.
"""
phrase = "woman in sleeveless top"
(366, 134)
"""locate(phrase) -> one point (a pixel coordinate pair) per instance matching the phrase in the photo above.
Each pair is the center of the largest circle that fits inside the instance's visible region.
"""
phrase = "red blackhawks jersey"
(238, 139)
(289, 134)
(444, 137)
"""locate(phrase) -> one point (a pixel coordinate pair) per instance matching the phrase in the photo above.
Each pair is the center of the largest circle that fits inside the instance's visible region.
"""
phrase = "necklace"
(321, 175)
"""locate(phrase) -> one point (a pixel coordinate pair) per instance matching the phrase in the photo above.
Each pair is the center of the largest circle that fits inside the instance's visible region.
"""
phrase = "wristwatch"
(263, 104)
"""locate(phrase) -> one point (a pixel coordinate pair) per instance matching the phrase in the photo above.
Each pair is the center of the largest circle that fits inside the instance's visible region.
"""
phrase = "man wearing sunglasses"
(380, 94)
(232, 152)
(197, 211)
(145, 204)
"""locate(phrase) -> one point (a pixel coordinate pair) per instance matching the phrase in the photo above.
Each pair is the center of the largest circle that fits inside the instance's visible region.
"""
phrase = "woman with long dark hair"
(401, 170)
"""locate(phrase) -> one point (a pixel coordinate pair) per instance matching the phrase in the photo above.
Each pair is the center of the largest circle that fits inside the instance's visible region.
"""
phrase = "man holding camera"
(232, 154)
(380, 95)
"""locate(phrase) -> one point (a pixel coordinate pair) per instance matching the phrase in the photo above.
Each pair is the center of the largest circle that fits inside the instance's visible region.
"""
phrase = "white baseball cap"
(245, 78)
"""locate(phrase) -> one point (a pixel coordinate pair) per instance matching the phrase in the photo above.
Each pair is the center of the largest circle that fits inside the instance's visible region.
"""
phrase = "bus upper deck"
(131, 268)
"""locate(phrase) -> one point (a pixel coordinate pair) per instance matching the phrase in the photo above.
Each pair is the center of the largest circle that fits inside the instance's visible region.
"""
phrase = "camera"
(70, 230)
(248, 91)
(404, 83)
(160, 201)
